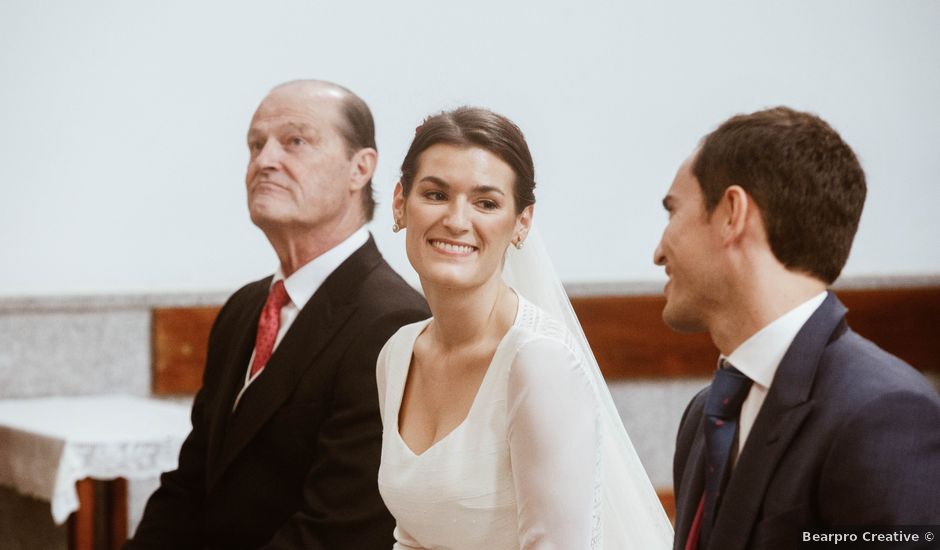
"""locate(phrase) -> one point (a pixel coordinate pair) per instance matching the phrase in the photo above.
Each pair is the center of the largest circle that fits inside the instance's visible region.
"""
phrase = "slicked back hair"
(475, 127)
(358, 132)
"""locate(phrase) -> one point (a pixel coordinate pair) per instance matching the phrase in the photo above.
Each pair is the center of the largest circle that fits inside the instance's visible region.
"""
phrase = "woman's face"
(460, 216)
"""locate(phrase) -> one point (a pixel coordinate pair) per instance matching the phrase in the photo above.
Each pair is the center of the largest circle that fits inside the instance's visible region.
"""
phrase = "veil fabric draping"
(631, 515)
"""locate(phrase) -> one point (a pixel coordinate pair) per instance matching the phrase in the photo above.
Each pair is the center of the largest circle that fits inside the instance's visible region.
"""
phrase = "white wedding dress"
(492, 483)
(540, 462)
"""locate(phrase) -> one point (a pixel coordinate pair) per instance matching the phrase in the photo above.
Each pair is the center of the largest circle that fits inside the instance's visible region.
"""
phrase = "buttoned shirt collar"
(305, 281)
(760, 355)
(300, 287)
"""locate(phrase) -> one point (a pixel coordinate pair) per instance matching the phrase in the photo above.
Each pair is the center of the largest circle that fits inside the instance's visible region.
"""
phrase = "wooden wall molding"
(180, 344)
(626, 332)
(630, 339)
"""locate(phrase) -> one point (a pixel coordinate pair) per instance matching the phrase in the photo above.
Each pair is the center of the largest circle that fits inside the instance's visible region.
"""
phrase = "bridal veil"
(631, 515)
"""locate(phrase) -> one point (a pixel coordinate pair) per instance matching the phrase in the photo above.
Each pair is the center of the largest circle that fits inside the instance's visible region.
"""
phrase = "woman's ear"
(398, 207)
(523, 225)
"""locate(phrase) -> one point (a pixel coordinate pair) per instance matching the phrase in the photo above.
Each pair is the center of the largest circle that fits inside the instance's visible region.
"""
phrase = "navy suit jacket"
(848, 435)
(296, 464)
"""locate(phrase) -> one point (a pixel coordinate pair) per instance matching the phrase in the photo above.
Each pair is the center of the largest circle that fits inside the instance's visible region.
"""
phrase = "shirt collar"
(760, 355)
(305, 281)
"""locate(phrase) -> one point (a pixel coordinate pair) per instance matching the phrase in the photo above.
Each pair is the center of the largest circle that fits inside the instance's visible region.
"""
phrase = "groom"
(807, 425)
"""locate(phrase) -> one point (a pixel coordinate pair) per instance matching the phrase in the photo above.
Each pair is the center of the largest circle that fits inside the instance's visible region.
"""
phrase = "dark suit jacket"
(295, 465)
(848, 435)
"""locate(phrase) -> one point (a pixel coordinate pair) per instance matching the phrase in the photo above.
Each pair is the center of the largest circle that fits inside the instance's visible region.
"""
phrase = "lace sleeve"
(554, 441)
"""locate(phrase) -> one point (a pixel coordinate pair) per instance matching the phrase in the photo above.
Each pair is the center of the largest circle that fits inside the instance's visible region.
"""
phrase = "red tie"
(268, 325)
(691, 542)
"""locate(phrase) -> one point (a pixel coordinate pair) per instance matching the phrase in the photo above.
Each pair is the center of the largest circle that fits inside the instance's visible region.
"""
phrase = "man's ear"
(398, 206)
(363, 167)
(734, 212)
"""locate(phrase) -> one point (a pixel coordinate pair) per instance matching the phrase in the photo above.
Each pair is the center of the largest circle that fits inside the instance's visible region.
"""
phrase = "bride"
(499, 432)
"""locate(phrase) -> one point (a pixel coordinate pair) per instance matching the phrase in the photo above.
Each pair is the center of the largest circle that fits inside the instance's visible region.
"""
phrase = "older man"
(806, 425)
(286, 437)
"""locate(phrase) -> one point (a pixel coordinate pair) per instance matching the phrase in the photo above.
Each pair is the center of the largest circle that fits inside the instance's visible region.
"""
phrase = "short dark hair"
(475, 127)
(807, 183)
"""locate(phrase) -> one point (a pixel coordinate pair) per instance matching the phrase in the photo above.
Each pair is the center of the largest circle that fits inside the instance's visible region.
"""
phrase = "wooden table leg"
(118, 505)
(82, 522)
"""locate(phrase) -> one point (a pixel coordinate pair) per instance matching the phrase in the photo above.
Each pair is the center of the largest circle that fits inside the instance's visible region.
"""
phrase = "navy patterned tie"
(728, 390)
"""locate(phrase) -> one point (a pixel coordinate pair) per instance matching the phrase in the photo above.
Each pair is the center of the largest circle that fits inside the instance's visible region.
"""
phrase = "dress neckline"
(483, 383)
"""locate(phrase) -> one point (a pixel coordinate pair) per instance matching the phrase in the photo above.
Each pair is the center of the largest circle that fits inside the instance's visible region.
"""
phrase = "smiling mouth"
(452, 248)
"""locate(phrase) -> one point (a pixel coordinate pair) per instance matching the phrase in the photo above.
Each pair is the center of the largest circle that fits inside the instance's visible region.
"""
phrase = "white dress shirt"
(301, 285)
(760, 355)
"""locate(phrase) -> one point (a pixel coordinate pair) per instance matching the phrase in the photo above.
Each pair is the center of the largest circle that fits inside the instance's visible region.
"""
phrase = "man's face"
(300, 175)
(690, 250)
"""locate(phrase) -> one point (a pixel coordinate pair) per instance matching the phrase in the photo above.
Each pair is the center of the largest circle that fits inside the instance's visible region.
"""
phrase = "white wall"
(122, 123)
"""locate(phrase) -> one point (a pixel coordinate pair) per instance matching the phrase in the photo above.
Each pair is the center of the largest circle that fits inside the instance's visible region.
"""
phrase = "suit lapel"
(783, 412)
(693, 481)
(314, 328)
(746, 489)
(234, 373)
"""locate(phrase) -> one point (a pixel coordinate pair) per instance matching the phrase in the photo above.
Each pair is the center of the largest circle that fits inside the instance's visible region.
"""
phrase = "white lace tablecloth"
(48, 444)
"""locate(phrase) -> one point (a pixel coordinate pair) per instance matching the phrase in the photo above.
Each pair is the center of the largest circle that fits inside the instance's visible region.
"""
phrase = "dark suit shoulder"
(241, 303)
(388, 292)
(853, 371)
(854, 378)
(246, 295)
(259, 285)
(875, 419)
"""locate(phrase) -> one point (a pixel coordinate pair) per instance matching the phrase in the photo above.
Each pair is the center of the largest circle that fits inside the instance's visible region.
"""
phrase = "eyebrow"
(304, 129)
(478, 189)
